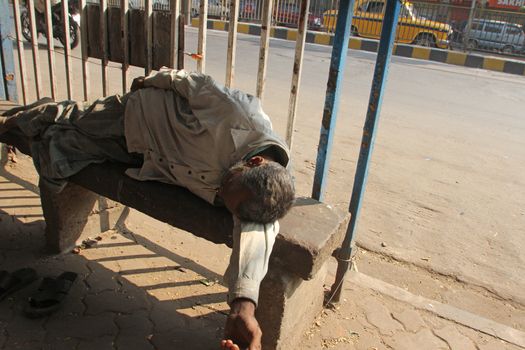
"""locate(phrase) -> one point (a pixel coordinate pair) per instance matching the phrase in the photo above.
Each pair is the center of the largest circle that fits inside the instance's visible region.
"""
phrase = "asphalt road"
(447, 184)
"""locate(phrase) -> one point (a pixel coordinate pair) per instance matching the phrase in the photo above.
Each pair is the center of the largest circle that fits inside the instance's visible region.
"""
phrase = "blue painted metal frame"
(3, 92)
(333, 92)
(384, 55)
(7, 62)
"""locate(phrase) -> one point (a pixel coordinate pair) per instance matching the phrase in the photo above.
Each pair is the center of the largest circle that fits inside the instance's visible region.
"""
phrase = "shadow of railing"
(105, 291)
(19, 181)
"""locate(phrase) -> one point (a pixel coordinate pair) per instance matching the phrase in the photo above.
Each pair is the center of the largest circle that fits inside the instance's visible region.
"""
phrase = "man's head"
(258, 190)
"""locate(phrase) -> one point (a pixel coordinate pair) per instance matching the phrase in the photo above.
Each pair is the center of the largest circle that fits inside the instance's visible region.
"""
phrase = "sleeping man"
(183, 129)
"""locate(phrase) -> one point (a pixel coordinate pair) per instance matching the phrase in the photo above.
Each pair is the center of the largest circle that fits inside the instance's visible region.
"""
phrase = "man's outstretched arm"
(252, 246)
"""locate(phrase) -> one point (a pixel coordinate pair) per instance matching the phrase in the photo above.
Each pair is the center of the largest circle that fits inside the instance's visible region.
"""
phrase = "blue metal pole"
(333, 92)
(6, 51)
(384, 54)
(3, 90)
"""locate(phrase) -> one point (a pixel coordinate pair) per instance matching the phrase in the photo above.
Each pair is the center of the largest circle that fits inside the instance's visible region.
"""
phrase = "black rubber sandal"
(50, 295)
(11, 282)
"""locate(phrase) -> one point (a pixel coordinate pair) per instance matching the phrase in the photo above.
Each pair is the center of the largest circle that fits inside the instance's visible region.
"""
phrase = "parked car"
(495, 35)
(287, 14)
(411, 29)
(216, 8)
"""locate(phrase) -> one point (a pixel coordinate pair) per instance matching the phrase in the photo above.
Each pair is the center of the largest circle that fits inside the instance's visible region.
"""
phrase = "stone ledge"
(309, 233)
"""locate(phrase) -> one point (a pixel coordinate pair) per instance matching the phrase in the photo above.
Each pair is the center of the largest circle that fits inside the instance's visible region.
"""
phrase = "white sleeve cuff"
(244, 288)
(252, 246)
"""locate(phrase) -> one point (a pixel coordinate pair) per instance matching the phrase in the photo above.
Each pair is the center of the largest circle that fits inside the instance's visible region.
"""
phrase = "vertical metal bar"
(149, 36)
(50, 49)
(180, 50)
(222, 14)
(297, 70)
(265, 44)
(333, 92)
(34, 46)
(104, 43)
(67, 47)
(232, 42)
(187, 12)
(203, 30)
(20, 49)
(277, 12)
(466, 38)
(384, 55)
(84, 48)
(124, 15)
(3, 87)
(7, 76)
(175, 18)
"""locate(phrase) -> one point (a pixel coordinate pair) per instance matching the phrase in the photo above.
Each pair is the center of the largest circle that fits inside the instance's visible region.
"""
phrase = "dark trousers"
(65, 138)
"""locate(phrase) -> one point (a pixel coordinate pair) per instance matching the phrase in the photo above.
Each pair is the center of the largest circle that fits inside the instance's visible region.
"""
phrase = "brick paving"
(149, 286)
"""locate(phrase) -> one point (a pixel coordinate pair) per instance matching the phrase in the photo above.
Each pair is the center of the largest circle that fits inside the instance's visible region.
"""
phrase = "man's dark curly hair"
(273, 193)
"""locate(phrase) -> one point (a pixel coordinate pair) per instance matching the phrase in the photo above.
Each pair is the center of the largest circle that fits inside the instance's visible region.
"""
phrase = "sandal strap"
(51, 290)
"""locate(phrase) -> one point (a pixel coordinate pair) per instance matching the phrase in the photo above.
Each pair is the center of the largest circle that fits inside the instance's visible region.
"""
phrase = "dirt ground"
(150, 286)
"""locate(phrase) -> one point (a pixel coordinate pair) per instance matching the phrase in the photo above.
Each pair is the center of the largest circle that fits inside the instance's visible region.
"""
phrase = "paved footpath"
(149, 286)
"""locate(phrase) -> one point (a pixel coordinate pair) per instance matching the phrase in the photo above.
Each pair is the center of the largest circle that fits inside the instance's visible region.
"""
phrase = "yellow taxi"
(411, 29)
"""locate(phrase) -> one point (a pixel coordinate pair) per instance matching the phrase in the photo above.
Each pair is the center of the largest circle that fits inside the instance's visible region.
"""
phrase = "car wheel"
(426, 40)
(508, 50)
(354, 31)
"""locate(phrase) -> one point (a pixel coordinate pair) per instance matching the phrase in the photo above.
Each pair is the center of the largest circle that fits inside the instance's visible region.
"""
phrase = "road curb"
(445, 311)
(431, 54)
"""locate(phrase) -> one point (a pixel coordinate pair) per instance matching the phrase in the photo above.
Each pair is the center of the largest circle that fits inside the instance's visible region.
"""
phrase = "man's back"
(191, 130)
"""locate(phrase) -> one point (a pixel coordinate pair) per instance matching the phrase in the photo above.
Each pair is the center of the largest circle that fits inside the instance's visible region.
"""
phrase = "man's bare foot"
(228, 345)
(11, 154)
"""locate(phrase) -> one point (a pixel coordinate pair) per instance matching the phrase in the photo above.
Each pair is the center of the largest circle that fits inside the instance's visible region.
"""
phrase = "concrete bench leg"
(288, 306)
(74, 214)
(4, 157)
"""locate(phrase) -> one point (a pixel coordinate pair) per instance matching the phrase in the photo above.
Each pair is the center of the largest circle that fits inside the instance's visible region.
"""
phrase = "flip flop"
(11, 282)
(50, 295)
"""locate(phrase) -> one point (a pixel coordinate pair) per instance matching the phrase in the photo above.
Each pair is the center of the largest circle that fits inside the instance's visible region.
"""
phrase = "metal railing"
(103, 33)
(441, 25)
(420, 23)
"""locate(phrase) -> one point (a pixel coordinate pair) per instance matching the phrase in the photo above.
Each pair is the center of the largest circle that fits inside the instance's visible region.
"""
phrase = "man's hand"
(242, 329)
(137, 84)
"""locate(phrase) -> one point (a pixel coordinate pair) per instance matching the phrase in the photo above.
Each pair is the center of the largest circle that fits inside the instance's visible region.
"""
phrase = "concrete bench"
(292, 293)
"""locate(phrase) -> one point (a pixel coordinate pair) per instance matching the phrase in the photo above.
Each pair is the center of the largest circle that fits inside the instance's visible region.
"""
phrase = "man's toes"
(229, 345)
(226, 344)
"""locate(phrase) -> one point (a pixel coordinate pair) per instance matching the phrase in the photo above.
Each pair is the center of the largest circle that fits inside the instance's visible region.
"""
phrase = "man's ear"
(255, 161)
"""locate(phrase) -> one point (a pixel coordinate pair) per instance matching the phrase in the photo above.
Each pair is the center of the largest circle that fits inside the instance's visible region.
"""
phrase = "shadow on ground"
(132, 293)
